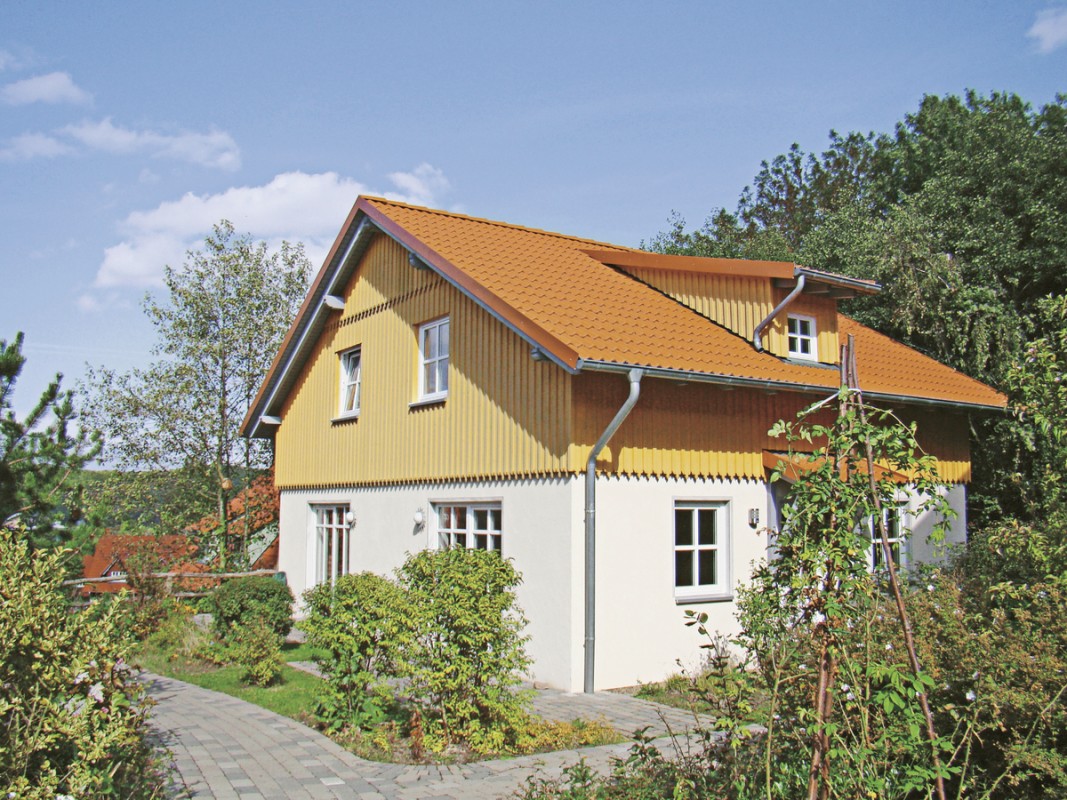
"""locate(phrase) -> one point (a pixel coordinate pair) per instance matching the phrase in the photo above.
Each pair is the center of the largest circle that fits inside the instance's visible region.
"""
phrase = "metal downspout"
(757, 340)
(635, 376)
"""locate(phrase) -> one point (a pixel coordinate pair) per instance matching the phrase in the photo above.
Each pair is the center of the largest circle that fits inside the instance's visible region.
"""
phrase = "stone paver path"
(226, 748)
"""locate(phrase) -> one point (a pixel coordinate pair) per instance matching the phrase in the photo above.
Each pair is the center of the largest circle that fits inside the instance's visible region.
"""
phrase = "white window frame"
(720, 550)
(435, 363)
(331, 539)
(795, 339)
(895, 516)
(350, 382)
(474, 525)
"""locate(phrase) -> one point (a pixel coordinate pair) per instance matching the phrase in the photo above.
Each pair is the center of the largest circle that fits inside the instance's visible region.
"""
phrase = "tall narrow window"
(433, 359)
(475, 526)
(802, 342)
(701, 550)
(351, 379)
(331, 542)
(896, 537)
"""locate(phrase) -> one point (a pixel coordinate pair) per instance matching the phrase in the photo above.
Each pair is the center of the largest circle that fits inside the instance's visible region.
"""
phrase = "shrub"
(258, 651)
(467, 655)
(72, 718)
(242, 601)
(358, 625)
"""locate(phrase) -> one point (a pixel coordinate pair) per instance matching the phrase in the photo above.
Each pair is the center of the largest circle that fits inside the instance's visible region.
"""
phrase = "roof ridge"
(501, 224)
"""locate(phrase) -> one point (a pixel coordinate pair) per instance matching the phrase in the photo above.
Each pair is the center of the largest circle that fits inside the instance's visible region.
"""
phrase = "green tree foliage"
(72, 716)
(227, 310)
(41, 456)
(960, 213)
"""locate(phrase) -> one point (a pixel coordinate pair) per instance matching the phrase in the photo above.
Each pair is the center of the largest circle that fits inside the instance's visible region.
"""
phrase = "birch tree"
(218, 330)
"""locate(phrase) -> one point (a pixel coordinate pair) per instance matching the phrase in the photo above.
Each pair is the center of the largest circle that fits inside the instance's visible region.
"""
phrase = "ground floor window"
(476, 526)
(701, 549)
(332, 536)
(896, 536)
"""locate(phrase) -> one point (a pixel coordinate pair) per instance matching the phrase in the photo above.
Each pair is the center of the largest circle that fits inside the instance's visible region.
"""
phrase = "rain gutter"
(635, 376)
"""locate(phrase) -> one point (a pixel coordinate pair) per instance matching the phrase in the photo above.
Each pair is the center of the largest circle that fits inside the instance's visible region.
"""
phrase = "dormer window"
(802, 342)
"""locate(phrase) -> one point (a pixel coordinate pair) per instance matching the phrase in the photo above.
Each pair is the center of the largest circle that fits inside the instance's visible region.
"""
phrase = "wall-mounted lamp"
(350, 518)
(334, 302)
(753, 517)
(420, 518)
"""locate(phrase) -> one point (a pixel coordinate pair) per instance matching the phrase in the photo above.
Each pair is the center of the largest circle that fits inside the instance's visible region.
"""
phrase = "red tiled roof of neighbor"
(113, 551)
(259, 498)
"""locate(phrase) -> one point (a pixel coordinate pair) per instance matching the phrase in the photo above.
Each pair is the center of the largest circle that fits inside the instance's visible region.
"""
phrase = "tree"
(228, 309)
(40, 456)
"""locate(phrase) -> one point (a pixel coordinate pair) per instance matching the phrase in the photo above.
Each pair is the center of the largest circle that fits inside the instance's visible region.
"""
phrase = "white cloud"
(1049, 29)
(7, 60)
(55, 87)
(212, 149)
(34, 145)
(297, 206)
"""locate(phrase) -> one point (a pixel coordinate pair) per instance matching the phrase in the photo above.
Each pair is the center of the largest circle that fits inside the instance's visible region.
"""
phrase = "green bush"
(258, 651)
(242, 601)
(467, 655)
(358, 626)
(72, 717)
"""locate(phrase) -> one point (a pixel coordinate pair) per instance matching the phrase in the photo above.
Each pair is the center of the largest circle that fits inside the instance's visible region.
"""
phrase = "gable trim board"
(541, 324)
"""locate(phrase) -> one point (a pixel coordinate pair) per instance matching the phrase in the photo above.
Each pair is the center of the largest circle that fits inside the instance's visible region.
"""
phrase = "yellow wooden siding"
(740, 304)
(701, 431)
(823, 310)
(505, 416)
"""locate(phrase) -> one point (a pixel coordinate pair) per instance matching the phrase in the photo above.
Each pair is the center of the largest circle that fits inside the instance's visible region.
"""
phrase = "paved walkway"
(226, 748)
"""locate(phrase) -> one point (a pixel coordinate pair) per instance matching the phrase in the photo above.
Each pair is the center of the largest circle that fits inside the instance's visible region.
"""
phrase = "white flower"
(971, 696)
(96, 692)
(929, 587)
(889, 647)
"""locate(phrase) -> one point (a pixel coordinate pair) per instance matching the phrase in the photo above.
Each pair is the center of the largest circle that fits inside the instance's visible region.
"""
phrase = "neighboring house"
(448, 378)
(251, 513)
(118, 555)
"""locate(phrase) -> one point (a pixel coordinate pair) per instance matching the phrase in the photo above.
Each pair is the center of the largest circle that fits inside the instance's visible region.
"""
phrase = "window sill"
(681, 600)
(429, 400)
(350, 417)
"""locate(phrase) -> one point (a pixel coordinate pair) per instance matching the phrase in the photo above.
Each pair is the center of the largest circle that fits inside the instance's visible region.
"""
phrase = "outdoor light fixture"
(753, 517)
(420, 518)
(334, 302)
(350, 517)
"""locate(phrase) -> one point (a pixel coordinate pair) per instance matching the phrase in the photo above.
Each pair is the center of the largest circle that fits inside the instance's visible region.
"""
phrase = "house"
(117, 555)
(449, 381)
(252, 517)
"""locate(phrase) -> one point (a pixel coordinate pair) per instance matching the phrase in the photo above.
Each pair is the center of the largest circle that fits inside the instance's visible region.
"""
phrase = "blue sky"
(127, 129)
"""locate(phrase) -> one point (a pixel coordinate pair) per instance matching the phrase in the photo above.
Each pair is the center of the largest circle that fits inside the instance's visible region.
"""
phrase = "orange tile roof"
(562, 294)
(548, 281)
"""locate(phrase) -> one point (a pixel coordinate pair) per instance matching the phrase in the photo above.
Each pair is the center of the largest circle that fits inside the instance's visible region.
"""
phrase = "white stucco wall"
(641, 633)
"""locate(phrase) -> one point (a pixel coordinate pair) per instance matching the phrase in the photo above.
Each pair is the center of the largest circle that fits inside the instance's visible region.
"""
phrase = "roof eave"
(778, 386)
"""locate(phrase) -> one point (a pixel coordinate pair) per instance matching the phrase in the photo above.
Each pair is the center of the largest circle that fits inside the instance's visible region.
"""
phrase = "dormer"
(784, 309)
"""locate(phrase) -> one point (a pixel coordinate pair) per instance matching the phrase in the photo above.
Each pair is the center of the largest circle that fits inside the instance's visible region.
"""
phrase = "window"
(802, 342)
(701, 550)
(476, 526)
(351, 378)
(331, 542)
(433, 360)
(896, 536)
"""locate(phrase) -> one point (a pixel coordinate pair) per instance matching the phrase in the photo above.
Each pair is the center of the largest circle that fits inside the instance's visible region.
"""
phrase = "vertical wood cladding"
(507, 415)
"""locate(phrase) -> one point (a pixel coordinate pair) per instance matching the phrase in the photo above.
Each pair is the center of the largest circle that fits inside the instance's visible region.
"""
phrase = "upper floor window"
(802, 343)
(433, 360)
(701, 550)
(351, 378)
(475, 526)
